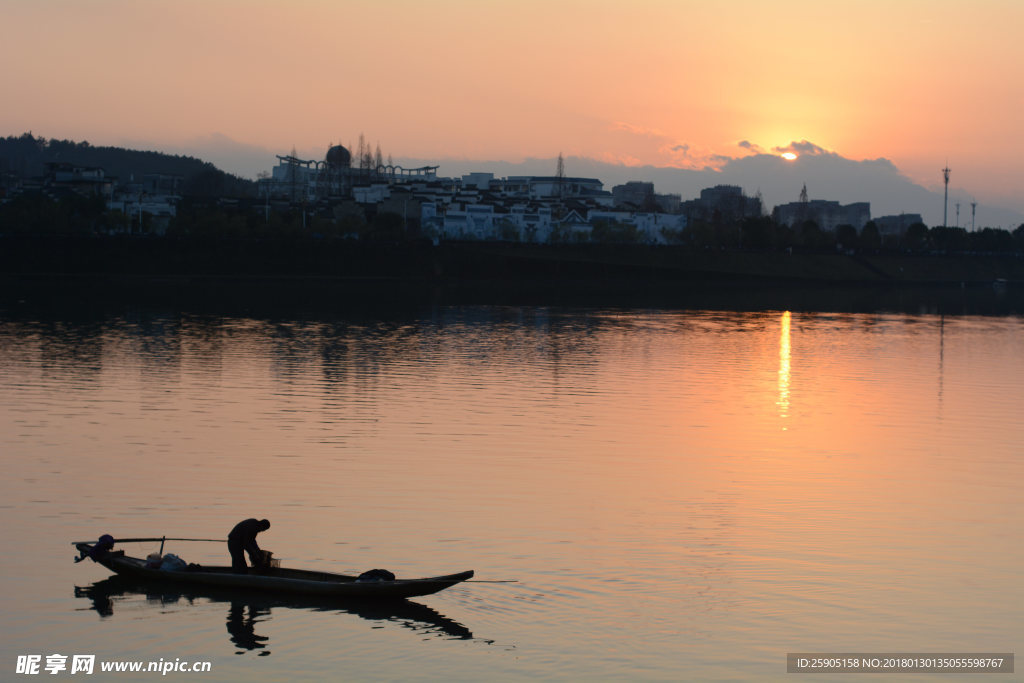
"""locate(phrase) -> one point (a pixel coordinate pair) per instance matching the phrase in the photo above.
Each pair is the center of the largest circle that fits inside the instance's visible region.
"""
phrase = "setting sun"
(788, 156)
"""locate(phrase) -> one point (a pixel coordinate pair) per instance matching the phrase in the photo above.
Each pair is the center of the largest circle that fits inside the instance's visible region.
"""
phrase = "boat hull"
(277, 581)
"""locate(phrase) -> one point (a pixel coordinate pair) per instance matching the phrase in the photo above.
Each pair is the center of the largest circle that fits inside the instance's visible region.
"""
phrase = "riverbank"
(494, 263)
(99, 296)
(712, 265)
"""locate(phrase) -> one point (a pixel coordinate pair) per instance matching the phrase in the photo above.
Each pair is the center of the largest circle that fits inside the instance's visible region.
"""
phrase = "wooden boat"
(274, 580)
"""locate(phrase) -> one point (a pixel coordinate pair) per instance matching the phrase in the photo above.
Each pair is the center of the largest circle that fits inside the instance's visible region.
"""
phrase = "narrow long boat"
(274, 580)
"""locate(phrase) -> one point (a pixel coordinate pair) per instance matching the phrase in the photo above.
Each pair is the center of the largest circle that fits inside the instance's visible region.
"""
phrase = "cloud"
(627, 160)
(803, 148)
(637, 129)
(750, 146)
(637, 142)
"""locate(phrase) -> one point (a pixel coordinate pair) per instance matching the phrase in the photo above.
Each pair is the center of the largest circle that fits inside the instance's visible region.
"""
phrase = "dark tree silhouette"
(870, 238)
(846, 236)
(916, 237)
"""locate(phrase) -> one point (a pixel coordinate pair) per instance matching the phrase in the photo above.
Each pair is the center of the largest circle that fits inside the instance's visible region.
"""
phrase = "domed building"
(338, 157)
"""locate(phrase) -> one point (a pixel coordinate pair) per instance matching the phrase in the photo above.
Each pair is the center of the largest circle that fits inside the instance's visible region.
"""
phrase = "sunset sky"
(660, 82)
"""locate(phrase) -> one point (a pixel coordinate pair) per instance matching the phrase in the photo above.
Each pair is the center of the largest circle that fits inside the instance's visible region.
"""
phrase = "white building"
(373, 193)
(293, 178)
(471, 221)
(538, 188)
(536, 224)
(479, 181)
(133, 202)
(533, 223)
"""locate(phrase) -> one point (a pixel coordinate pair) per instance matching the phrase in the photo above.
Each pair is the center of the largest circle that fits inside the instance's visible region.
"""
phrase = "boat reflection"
(245, 611)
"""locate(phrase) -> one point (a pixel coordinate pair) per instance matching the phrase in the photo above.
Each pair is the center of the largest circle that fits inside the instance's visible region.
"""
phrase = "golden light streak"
(784, 358)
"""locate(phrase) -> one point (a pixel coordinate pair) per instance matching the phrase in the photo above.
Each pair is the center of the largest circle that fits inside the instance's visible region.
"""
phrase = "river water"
(678, 494)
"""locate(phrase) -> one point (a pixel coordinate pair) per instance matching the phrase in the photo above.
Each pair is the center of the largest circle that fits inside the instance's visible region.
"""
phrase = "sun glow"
(788, 156)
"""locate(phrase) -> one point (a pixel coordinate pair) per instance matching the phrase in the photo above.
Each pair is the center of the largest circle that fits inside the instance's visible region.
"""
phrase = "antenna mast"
(560, 176)
(974, 205)
(945, 201)
(803, 204)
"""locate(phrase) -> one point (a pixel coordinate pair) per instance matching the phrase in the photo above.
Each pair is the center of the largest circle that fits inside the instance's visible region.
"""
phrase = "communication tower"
(974, 205)
(945, 201)
(803, 214)
(560, 176)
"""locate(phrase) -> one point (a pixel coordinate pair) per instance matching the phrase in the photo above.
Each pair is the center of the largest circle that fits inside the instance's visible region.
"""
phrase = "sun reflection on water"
(784, 352)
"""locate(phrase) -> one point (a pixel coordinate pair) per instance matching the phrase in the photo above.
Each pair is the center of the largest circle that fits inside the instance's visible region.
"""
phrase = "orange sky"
(640, 82)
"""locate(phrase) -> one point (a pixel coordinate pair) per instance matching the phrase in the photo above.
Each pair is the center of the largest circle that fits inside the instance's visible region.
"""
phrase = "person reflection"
(242, 620)
(101, 601)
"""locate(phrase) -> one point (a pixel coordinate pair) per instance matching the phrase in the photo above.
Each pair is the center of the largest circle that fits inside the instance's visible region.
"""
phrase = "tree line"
(200, 217)
(763, 233)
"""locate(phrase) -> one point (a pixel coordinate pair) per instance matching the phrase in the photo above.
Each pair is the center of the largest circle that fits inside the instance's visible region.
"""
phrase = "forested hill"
(27, 156)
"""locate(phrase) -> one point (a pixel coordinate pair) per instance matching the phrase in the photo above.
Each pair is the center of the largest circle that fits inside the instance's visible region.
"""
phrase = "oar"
(162, 538)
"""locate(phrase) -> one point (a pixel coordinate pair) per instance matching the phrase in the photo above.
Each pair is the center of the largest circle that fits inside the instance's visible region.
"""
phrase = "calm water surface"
(681, 495)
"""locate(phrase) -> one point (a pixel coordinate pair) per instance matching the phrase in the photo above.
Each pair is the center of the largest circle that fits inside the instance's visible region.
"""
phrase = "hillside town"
(348, 192)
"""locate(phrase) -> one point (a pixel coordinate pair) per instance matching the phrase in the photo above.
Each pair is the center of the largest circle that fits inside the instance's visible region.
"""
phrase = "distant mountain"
(227, 154)
(28, 155)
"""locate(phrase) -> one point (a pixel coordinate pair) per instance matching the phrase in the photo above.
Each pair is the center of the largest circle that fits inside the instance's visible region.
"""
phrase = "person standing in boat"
(241, 540)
